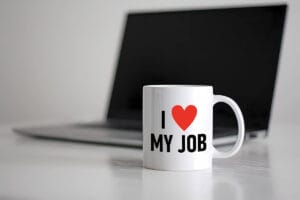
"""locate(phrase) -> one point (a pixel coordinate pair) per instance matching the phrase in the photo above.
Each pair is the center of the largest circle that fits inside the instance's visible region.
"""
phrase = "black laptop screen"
(236, 50)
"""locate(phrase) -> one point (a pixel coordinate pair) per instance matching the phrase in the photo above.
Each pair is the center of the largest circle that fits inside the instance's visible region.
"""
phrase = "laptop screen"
(236, 50)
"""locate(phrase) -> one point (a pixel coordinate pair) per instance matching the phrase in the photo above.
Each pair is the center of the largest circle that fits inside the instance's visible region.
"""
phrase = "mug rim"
(173, 86)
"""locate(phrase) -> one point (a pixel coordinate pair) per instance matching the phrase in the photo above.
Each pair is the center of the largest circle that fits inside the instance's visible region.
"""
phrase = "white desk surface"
(44, 169)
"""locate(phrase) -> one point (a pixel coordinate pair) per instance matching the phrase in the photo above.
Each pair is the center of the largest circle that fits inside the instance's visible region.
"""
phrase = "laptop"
(236, 50)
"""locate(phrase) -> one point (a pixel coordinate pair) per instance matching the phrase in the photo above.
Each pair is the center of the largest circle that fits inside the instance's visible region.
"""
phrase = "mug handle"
(240, 123)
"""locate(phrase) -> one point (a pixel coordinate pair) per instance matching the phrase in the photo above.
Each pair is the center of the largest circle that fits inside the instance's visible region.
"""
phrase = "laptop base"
(110, 136)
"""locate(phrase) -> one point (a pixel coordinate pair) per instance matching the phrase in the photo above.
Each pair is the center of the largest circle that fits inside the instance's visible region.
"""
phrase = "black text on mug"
(189, 142)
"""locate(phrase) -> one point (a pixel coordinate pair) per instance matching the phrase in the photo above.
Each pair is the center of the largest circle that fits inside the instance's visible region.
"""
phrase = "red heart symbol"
(184, 117)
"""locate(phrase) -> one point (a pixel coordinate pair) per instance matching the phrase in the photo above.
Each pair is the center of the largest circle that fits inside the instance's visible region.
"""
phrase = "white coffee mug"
(178, 127)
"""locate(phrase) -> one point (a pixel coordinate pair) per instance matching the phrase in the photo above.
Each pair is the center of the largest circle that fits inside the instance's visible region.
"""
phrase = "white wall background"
(57, 57)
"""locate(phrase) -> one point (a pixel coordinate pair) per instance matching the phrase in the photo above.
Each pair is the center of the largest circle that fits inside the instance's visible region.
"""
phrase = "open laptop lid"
(234, 49)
